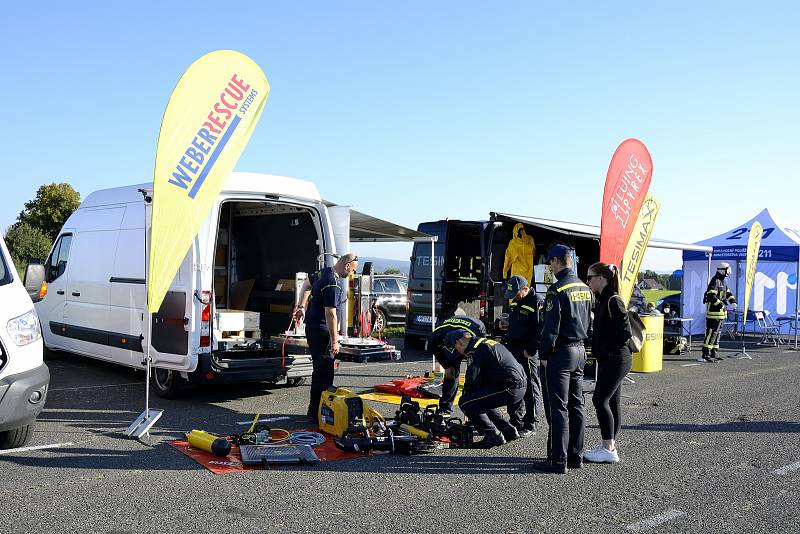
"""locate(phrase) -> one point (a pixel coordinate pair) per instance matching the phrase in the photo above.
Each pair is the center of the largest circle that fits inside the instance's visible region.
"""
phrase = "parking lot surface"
(705, 448)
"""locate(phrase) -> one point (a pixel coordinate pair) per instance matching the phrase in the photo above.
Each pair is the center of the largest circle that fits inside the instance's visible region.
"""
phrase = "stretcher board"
(389, 398)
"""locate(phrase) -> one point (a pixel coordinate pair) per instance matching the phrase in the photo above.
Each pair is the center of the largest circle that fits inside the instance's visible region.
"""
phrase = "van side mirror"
(34, 276)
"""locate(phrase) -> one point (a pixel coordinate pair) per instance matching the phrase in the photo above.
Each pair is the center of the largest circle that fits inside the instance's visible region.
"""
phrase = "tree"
(54, 203)
(25, 242)
(392, 270)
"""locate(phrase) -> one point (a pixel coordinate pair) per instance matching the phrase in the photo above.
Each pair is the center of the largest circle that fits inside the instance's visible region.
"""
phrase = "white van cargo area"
(260, 249)
(261, 246)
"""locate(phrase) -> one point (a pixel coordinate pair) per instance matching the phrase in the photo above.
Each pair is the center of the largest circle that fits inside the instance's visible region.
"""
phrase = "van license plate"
(424, 319)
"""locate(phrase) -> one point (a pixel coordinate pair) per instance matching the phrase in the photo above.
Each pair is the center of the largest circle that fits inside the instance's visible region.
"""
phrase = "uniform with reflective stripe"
(716, 297)
(524, 324)
(567, 313)
(445, 357)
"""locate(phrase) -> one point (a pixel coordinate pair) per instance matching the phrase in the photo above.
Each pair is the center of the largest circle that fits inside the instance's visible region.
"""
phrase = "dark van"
(458, 271)
(469, 264)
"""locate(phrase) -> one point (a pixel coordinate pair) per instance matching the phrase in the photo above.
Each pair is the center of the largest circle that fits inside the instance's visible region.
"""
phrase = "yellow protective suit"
(519, 255)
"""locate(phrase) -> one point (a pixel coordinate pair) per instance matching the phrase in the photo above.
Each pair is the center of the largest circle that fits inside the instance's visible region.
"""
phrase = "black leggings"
(608, 393)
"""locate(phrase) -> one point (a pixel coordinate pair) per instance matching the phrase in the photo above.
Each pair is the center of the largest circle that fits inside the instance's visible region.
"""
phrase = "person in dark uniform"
(448, 358)
(322, 323)
(565, 329)
(717, 295)
(522, 336)
(494, 379)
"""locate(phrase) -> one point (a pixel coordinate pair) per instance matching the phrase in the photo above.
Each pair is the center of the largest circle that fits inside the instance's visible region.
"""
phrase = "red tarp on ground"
(404, 386)
(232, 463)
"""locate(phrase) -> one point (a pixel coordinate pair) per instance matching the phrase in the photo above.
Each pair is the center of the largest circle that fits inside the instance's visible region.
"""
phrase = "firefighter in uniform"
(716, 297)
(566, 324)
(522, 335)
(448, 358)
(493, 379)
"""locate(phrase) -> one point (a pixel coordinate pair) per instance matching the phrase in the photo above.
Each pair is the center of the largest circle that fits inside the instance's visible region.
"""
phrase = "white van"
(261, 231)
(24, 377)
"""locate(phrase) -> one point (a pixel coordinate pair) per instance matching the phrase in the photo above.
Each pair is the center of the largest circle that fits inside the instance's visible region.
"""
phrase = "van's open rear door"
(170, 327)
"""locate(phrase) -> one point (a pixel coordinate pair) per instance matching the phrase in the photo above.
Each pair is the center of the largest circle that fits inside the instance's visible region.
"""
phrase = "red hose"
(286, 338)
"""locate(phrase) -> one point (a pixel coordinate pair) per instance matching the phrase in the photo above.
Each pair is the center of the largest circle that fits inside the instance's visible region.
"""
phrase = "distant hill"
(379, 265)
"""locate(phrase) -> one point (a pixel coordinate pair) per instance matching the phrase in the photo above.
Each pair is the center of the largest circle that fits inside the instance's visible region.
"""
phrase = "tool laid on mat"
(431, 422)
(278, 454)
(206, 441)
(358, 427)
(343, 412)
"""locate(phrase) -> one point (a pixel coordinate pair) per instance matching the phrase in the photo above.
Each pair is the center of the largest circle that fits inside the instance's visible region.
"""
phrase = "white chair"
(773, 324)
(770, 331)
(731, 325)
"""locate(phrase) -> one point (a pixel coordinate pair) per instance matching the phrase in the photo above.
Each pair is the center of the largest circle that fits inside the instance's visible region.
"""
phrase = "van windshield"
(5, 273)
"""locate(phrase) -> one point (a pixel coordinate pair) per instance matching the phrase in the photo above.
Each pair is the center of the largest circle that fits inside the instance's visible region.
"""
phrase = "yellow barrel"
(650, 359)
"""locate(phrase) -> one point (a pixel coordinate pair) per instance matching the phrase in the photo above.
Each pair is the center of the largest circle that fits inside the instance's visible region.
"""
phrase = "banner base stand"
(143, 423)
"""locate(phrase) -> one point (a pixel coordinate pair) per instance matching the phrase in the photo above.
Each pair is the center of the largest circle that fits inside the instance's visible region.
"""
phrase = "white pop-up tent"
(775, 286)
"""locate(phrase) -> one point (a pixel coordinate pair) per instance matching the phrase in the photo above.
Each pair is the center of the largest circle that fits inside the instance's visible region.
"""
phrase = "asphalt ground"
(705, 448)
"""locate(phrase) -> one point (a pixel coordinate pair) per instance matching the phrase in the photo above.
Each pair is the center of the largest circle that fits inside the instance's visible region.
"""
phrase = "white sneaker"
(602, 456)
(599, 446)
(701, 359)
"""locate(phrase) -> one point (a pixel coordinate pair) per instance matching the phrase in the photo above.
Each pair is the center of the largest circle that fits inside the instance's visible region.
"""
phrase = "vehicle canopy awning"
(368, 229)
(589, 231)
(365, 228)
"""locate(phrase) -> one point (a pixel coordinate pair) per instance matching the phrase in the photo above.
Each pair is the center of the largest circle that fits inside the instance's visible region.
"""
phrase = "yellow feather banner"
(634, 250)
(209, 119)
(753, 247)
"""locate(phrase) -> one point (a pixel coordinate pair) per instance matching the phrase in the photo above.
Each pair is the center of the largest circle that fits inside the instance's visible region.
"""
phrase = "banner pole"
(796, 318)
(744, 355)
(435, 367)
(147, 418)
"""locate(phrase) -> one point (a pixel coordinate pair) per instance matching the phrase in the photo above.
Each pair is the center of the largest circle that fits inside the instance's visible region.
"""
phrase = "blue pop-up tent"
(775, 286)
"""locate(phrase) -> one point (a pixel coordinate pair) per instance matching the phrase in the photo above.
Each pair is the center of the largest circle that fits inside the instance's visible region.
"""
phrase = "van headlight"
(24, 329)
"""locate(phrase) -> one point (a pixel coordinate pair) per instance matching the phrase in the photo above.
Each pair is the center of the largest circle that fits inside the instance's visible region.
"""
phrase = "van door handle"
(60, 292)
(76, 294)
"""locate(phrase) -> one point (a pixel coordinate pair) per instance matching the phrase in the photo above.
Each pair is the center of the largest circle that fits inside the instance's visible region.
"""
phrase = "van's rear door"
(171, 327)
(418, 320)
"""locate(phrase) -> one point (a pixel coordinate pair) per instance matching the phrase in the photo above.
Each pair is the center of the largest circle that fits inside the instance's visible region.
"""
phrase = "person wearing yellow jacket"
(519, 254)
(716, 297)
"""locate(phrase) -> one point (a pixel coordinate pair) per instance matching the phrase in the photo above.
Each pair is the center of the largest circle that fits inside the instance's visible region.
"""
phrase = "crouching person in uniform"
(449, 359)
(494, 379)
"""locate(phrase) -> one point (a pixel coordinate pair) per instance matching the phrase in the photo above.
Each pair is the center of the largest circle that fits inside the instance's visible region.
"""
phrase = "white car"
(24, 378)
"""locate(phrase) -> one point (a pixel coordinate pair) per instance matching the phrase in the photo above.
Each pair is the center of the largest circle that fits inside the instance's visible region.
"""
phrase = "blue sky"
(417, 111)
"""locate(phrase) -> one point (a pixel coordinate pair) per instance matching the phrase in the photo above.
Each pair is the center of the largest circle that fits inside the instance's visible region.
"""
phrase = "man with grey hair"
(324, 296)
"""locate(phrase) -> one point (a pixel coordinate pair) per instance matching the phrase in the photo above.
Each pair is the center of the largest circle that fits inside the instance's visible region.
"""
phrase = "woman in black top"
(611, 332)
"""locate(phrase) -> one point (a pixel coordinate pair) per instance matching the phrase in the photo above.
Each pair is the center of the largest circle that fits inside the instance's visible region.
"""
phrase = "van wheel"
(167, 383)
(16, 437)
